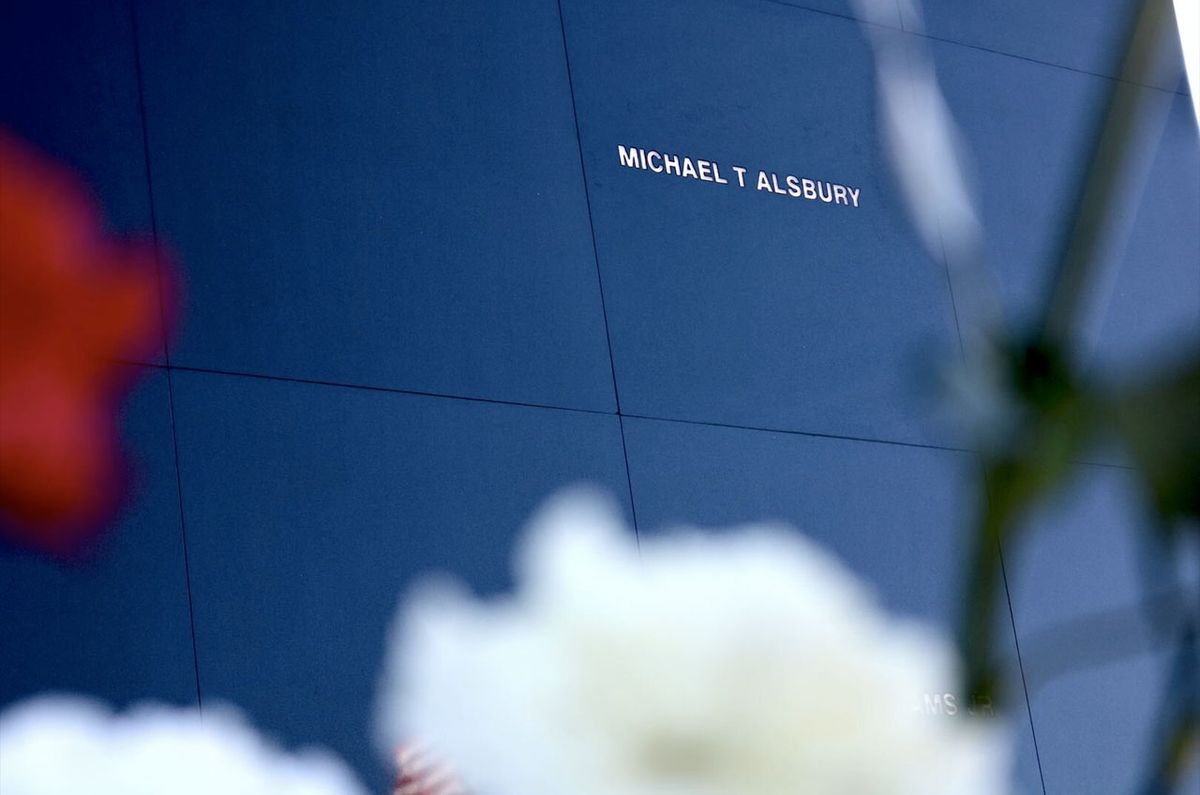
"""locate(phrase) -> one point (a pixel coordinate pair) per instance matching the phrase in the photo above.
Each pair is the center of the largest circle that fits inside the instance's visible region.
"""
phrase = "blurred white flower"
(743, 663)
(68, 746)
(1187, 17)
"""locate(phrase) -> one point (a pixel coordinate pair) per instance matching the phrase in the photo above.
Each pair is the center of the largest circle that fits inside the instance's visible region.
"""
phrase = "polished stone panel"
(1084, 593)
(382, 194)
(883, 12)
(69, 89)
(894, 514)
(68, 85)
(1142, 308)
(1150, 312)
(898, 516)
(739, 305)
(113, 623)
(1088, 37)
(312, 509)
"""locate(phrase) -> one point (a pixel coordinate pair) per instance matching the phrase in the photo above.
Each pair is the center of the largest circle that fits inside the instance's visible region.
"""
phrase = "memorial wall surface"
(442, 259)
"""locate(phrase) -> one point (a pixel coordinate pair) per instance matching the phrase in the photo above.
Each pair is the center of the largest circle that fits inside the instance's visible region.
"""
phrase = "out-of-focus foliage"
(1033, 412)
(1160, 423)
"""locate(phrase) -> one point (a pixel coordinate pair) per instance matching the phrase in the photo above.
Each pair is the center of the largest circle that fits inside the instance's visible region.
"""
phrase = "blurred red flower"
(73, 302)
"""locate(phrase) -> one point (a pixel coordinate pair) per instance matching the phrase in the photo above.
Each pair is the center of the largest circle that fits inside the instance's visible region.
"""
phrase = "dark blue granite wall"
(422, 293)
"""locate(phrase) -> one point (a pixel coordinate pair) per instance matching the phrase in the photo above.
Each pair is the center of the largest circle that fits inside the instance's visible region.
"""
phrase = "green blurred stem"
(1053, 432)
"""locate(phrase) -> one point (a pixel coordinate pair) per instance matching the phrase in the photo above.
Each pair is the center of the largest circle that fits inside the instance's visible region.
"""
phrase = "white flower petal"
(67, 746)
(731, 663)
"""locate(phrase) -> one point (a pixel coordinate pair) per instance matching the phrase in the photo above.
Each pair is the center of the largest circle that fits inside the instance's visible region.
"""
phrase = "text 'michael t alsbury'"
(710, 171)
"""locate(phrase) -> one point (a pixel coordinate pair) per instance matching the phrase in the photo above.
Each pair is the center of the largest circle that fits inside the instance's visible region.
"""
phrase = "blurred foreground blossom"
(63, 746)
(1187, 15)
(745, 663)
(73, 301)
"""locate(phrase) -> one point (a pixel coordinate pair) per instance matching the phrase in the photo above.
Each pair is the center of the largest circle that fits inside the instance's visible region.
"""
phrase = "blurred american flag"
(421, 772)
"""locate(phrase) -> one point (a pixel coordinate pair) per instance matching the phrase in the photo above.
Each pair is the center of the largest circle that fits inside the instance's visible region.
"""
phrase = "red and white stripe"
(421, 772)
